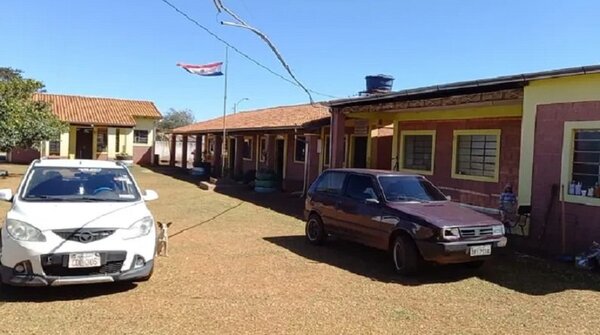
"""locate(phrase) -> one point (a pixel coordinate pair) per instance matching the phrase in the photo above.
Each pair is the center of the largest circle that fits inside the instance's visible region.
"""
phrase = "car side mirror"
(150, 195)
(371, 201)
(6, 194)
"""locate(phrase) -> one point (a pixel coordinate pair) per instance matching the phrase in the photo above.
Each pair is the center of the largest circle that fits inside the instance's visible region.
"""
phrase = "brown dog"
(162, 239)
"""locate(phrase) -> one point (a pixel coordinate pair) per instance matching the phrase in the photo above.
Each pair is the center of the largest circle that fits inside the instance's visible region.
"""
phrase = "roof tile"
(98, 111)
(268, 118)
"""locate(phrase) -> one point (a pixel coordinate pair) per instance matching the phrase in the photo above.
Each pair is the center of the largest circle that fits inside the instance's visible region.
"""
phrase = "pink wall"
(581, 220)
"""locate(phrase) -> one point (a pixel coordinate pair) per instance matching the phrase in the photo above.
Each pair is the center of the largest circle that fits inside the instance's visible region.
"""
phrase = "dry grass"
(250, 271)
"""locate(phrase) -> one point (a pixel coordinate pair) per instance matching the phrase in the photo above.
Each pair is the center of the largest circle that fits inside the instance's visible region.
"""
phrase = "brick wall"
(142, 155)
(476, 193)
(23, 156)
(581, 220)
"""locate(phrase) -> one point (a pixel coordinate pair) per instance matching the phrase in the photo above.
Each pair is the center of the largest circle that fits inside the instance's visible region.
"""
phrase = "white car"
(77, 222)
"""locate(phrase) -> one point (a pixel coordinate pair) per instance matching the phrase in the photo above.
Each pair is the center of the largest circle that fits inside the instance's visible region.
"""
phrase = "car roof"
(77, 163)
(374, 172)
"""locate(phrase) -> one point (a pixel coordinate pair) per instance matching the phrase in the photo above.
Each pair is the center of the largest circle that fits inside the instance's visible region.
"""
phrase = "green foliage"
(175, 119)
(24, 122)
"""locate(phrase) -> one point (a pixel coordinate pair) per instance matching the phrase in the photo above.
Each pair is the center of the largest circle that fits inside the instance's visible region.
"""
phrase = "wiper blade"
(43, 197)
(401, 197)
(93, 199)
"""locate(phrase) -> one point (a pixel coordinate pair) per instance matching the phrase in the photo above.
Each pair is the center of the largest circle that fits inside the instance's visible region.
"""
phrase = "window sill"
(247, 159)
(423, 172)
(298, 162)
(475, 178)
(581, 200)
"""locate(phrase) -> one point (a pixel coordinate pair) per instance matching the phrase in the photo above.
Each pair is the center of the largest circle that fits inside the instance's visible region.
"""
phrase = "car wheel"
(475, 264)
(315, 231)
(407, 259)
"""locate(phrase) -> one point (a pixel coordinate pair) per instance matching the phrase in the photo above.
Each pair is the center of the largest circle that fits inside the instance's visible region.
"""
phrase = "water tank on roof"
(380, 83)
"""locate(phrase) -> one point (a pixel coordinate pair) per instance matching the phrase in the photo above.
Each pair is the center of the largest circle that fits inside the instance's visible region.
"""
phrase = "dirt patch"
(238, 266)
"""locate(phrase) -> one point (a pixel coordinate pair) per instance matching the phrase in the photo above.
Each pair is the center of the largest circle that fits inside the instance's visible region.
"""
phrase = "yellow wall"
(111, 143)
(145, 124)
(545, 91)
(127, 137)
(64, 144)
(452, 114)
(72, 141)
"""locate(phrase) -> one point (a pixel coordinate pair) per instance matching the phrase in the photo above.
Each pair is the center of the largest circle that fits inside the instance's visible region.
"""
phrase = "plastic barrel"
(381, 83)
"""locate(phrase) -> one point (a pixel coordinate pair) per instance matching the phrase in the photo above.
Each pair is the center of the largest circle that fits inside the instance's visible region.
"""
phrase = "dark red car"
(402, 213)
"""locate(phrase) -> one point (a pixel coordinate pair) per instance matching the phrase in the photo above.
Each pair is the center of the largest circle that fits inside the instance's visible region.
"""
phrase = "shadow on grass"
(283, 203)
(61, 293)
(522, 274)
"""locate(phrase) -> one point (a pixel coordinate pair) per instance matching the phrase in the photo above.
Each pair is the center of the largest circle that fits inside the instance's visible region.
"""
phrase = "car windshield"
(80, 184)
(409, 188)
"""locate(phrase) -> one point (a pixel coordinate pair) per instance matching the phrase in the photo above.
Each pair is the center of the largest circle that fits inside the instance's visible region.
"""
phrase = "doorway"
(84, 142)
(231, 157)
(279, 157)
(359, 153)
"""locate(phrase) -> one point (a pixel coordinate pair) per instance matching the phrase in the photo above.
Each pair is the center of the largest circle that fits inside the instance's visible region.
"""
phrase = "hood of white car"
(72, 215)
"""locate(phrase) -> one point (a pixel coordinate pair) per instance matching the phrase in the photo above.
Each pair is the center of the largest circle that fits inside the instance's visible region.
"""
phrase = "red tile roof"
(98, 111)
(283, 117)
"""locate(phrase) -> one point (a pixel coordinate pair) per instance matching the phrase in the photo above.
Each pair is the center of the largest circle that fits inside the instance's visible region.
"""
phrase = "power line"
(243, 54)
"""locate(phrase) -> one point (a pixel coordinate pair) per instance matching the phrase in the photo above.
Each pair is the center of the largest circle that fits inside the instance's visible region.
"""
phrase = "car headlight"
(498, 230)
(21, 231)
(450, 233)
(139, 228)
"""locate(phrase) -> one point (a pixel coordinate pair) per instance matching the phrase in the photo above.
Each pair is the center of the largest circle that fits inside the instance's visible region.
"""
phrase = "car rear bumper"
(456, 252)
(9, 277)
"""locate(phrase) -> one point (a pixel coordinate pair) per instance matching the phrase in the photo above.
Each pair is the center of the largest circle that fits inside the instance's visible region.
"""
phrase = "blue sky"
(128, 49)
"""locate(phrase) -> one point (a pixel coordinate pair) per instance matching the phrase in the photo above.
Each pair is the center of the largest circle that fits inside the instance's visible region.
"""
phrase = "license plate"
(480, 250)
(84, 260)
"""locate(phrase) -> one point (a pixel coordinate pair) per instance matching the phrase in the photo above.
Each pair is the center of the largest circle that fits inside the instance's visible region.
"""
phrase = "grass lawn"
(239, 264)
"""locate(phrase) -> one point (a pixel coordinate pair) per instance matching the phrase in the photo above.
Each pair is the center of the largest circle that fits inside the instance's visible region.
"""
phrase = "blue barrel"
(379, 83)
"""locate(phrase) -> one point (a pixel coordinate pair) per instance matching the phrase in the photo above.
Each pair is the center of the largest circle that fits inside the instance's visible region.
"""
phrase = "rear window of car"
(331, 182)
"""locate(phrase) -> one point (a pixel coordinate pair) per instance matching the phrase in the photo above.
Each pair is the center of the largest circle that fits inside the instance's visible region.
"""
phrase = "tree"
(24, 122)
(175, 119)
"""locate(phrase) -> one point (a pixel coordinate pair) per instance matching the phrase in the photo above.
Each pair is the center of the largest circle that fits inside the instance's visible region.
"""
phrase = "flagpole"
(224, 144)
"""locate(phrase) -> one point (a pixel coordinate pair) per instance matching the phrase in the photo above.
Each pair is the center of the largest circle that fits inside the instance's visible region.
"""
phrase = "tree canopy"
(174, 119)
(24, 122)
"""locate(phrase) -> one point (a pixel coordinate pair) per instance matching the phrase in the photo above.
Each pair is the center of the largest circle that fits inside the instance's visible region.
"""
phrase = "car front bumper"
(457, 252)
(9, 277)
(47, 262)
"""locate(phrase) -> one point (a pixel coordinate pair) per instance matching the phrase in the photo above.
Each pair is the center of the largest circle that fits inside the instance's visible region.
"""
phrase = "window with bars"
(262, 150)
(477, 155)
(140, 136)
(101, 139)
(247, 148)
(417, 152)
(327, 150)
(54, 148)
(300, 149)
(586, 157)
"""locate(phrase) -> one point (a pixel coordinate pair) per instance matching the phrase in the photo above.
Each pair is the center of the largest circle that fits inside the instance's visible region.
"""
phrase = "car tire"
(475, 264)
(406, 257)
(315, 231)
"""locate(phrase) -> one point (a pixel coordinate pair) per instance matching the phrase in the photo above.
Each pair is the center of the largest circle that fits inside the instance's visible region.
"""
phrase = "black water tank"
(379, 83)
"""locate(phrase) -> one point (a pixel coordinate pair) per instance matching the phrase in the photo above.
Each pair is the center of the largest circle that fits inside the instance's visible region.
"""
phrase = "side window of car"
(331, 182)
(360, 188)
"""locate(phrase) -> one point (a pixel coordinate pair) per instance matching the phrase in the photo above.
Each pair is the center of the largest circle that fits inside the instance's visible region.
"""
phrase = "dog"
(162, 239)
